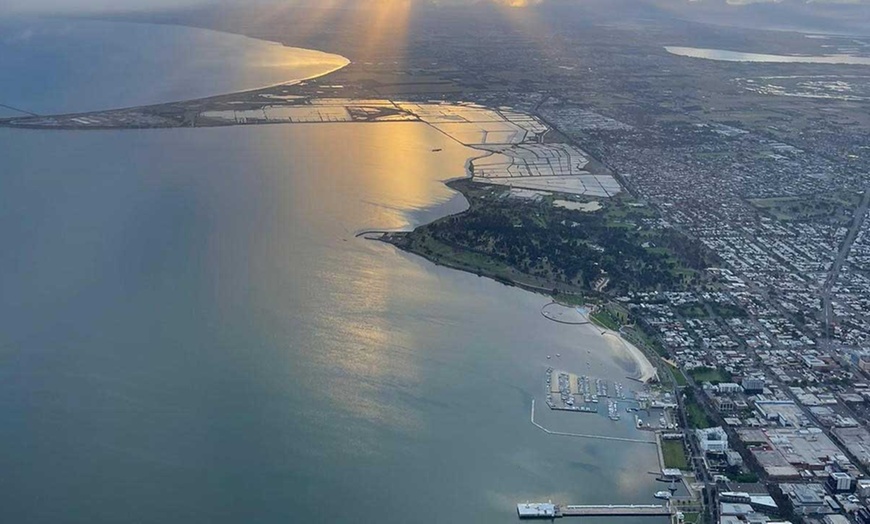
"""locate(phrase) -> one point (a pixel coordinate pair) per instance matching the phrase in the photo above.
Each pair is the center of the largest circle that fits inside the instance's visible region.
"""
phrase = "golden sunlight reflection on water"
(359, 176)
(280, 56)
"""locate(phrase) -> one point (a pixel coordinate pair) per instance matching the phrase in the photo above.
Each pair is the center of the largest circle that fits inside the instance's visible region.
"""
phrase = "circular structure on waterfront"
(565, 314)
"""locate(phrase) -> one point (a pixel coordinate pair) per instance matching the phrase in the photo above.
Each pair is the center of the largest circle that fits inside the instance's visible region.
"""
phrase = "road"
(858, 220)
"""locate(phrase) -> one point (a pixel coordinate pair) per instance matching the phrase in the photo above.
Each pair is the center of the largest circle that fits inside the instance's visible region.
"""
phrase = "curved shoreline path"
(579, 316)
(646, 370)
(144, 68)
(556, 312)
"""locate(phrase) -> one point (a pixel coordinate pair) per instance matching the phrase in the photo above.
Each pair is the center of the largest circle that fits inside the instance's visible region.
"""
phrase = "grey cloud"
(76, 6)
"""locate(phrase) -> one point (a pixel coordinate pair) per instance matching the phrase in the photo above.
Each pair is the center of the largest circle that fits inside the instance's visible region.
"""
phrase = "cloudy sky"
(7, 6)
(89, 5)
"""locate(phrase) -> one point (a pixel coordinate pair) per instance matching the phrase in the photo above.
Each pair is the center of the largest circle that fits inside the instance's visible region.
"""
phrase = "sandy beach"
(647, 371)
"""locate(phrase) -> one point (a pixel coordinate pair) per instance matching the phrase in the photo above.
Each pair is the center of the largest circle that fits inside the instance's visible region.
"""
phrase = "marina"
(585, 435)
(582, 394)
(613, 410)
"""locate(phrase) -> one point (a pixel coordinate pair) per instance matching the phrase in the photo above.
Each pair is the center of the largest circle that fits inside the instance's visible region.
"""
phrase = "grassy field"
(571, 299)
(674, 454)
(604, 319)
(692, 310)
(692, 518)
(728, 310)
(743, 477)
(650, 342)
(836, 207)
(709, 375)
(696, 416)
(679, 377)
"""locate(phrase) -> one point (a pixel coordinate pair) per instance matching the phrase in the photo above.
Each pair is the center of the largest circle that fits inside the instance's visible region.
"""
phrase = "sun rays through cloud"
(388, 21)
(517, 3)
(375, 31)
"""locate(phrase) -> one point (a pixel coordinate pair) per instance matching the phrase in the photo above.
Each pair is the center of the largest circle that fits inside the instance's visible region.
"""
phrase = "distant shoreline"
(332, 63)
(119, 119)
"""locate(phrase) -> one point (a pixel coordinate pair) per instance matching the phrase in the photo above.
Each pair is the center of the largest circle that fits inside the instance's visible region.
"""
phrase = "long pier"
(614, 510)
(549, 511)
(583, 435)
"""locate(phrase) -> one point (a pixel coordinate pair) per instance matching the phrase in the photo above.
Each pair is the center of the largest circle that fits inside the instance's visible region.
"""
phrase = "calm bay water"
(64, 66)
(738, 56)
(191, 332)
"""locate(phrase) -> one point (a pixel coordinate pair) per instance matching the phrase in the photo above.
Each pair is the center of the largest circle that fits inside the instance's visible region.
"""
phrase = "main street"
(858, 220)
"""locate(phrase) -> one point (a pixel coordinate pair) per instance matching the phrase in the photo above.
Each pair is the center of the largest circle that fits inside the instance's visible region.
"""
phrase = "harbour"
(582, 394)
(586, 435)
(245, 293)
(404, 333)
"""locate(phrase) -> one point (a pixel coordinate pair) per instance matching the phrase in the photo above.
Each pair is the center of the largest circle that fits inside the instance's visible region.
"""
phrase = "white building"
(840, 482)
(753, 384)
(733, 458)
(729, 388)
(712, 440)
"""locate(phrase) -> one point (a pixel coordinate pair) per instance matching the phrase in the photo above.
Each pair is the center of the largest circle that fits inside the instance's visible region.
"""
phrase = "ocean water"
(53, 65)
(190, 331)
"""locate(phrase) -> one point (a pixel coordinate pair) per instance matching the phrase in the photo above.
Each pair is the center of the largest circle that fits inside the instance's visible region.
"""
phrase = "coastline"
(453, 257)
(456, 257)
(583, 317)
(488, 388)
(614, 362)
(331, 63)
(646, 369)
